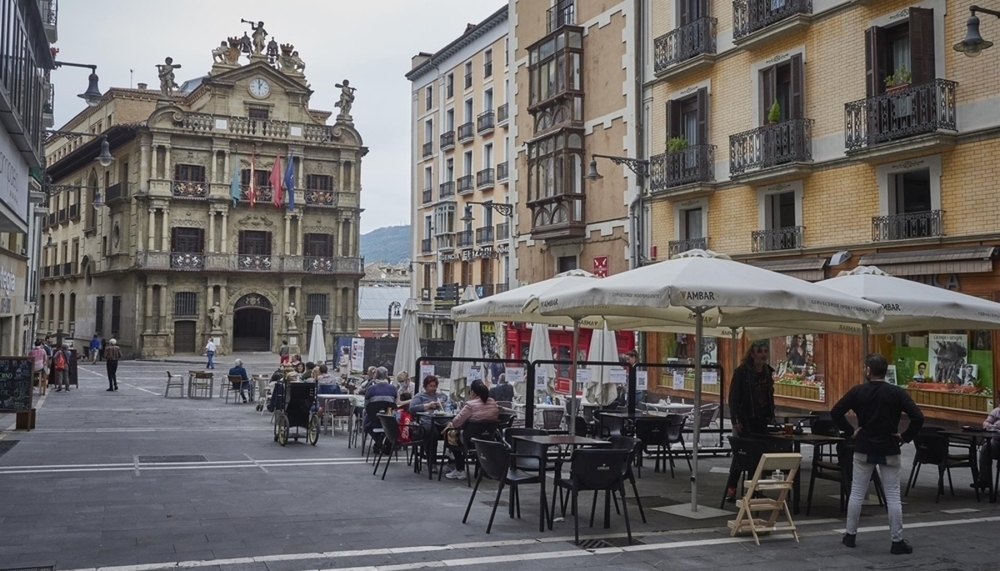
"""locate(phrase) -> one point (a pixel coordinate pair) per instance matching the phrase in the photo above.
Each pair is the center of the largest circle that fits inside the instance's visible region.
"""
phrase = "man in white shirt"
(210, 353)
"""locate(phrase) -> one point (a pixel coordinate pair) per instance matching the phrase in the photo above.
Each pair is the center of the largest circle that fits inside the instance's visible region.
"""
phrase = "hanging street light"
(974, 44)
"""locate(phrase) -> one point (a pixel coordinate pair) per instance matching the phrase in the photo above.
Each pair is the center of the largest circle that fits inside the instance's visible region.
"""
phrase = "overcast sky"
(369, 42)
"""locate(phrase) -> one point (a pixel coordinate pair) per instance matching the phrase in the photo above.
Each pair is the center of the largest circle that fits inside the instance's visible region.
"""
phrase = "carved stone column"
(225, 226)
(288, 234)
(154, 170)
(164, 303)
(152, 228)
(167, 172)
(144, 174)
(298, 246)
(210, 247)
(226, 169)
(165, 234)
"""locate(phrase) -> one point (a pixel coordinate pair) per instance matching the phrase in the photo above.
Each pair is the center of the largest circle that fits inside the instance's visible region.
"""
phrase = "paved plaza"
(131, 481)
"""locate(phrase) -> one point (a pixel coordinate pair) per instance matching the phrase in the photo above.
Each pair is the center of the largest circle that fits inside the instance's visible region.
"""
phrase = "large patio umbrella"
(509, 306)
(603, 347)
(540, 349)
(317, 343)
(408, 346)
(468, 344)
(702, 283)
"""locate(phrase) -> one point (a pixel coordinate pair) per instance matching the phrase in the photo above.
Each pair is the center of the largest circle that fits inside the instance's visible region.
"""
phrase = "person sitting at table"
(239, 371)
(989, 451)
(479, 409)
(621, 401)
(404, 388)
(428, 401)
(298, 372)
(751, 400)
(502, 391)
(368, 380)
(325, 383)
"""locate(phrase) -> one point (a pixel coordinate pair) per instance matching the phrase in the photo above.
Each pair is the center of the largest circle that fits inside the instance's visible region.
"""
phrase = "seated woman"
(428, 401)
(477, 409)
(239, 371)
(404, 388)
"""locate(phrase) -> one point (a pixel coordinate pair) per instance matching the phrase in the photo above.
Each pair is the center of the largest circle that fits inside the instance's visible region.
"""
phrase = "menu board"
(15, 384)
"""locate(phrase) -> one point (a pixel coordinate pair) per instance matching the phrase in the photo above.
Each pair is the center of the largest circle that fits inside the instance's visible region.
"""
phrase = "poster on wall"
(947, 357)
(488, 339)
(890, 375)
(709, 351)
(357, 355)
(797, 366)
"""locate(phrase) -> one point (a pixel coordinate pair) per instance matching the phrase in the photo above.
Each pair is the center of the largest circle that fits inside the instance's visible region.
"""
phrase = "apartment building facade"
(811, 137)
(164, 250)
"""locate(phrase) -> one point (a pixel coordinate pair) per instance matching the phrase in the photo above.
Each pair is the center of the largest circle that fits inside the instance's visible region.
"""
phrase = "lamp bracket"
(975, 9)
(638, 166)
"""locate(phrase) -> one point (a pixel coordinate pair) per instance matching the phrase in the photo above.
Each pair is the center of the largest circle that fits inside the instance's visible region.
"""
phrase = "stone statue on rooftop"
(259, 35)
(346, 99)
(166, 73)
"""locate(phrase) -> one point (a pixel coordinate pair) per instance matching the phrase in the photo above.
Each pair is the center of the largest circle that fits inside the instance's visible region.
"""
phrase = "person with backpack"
(60, 364)
(112, 353)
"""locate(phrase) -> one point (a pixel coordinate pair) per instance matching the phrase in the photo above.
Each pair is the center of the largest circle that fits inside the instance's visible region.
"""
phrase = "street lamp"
(104, 157)
(639, 166)
(974, 43)
(393, 308)
(507, 211)
(93, 94)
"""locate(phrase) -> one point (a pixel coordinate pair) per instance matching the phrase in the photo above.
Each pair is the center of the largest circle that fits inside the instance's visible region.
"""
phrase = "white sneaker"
(455, 475)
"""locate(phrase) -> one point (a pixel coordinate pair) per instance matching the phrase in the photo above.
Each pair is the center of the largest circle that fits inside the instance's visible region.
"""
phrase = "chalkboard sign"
(15, 384)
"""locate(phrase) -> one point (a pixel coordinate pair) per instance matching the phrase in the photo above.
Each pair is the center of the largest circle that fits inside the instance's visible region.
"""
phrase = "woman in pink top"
(38, 356)
(476, 410)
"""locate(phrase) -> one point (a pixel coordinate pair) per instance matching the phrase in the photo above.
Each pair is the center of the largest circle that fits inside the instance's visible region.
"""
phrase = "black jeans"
(112, 374)
(756, 427)
(987, 453)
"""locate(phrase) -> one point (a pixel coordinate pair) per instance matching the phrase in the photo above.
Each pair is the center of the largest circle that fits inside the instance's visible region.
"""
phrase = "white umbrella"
(540, 349)
(603, 347)
(468, 344)
(408, 347)
(701, 283)
(317, 344)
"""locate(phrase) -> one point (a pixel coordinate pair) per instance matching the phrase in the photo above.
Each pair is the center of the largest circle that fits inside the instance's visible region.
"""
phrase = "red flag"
(275, 180)
(253, 178)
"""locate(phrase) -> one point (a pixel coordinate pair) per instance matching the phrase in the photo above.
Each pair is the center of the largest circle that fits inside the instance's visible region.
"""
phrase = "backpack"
(60, 360)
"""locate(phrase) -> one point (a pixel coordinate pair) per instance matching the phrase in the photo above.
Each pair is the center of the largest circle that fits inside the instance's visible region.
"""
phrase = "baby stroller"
(295, 407)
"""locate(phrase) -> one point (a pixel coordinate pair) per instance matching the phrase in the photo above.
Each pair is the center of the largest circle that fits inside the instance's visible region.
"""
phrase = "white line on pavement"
(256, 463)
(501, 558)
(143, 390)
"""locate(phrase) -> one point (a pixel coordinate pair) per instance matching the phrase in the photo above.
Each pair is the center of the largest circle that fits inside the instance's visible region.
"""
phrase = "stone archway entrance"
(252, 316)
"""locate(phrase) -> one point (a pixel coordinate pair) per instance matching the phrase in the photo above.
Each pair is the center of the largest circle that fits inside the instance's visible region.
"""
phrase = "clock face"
(259, 87)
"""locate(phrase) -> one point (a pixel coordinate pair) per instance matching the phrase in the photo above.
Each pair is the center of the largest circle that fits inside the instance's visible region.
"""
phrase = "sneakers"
(901, 548)
(731, 495)
(849, 539)
(980, 485)
(455, 475)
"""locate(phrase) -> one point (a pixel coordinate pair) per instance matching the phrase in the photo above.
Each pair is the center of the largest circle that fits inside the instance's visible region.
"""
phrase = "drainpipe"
(637, 209)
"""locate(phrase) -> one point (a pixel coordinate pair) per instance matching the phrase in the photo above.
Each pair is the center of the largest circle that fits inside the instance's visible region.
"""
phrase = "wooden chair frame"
(756, 500)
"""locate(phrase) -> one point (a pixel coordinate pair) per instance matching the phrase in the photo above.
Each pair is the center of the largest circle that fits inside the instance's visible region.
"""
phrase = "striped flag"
(275, 180)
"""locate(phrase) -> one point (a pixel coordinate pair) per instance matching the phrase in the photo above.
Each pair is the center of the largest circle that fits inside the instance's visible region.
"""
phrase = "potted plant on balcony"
(774, 113)
(899, 80)
(676, 144)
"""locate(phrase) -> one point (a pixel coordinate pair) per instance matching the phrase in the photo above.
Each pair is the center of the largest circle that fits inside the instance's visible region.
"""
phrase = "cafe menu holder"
(16, 390)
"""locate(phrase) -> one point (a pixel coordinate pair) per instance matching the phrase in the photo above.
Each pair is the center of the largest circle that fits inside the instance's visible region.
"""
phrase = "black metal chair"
(480, 430)
(509, 434)
(842, 472)
(598, 470)
(498, 464)
(374, 431)
(609, 425)
(933, 448)
(391, 443)
(634, 446)
(659, 435)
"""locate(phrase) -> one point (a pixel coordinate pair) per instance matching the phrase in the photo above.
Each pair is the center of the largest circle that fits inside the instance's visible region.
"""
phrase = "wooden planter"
(943, 399)
(808, 392)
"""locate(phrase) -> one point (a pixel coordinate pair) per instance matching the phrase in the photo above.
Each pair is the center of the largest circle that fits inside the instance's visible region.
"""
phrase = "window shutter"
(201, 240)
(875, 72)
(768, 91)
(922, 45)
(702, 10)
(685, 12)
(328, 251)
(245, 177)
(702, 116)
(673, 119)
(267, 243)
(798, 87)
(173, 240)
(178, 172)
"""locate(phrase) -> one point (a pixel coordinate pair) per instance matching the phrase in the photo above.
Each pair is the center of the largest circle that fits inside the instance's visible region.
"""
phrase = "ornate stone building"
(177, 251)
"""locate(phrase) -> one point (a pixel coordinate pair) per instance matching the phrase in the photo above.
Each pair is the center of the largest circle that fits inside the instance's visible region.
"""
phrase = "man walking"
(112, 353)
(209, 353)
(878, 406)
(60, 364)
(95, 349)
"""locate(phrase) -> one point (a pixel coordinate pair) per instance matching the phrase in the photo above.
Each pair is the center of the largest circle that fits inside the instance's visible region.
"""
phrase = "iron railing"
(484, 235)
(503, 231)
(425, 246)
(446, 190)
(502, 114)
(788, 238)
(187, 261)
(116, 191)
(464, 239)
(904, 226)
(484, 178)
(750, 16)
(684, 43)
(900, 113)
(67, 269)
(769, 145)
(189, 189)
(466, 132)
(428, 195)
(692, 164)
(488, 69)
(485, 122)
(675, 247)
(559, 16)
(428, 150)
(264, 194)
(503, 171)
(447, 140)
(465, 183)
(468, 80)
(218, 262)
(500, 288)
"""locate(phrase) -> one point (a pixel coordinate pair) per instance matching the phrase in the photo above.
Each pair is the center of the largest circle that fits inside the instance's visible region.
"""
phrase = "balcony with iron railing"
(465, 184)
(691, 44)
(757, 21)
(675, 247)
(263, 194)
(503, 171)
(428, 196)
(67, 269)
(329, 198)
(484, 235)
(52, 219)
(484, 179)
(425, 246)
(219, 262)
(488, 69)
(503, 231)
(466, 132)
(50, 20)
(189, 189)
(777, 239)
(117, 191)
(485, 122)
(557, 17)
(485, 290)
(783, 147)
(500, 288)
(502, 115)
(927, 224)
(691, 165)
(902, 120)
(448, 140)
(464, 239)
(187, 261)
(427, 150)
(446, 190)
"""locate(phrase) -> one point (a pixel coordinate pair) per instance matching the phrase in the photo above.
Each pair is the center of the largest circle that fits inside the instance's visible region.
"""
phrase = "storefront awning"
(809, 269)
(973, 259)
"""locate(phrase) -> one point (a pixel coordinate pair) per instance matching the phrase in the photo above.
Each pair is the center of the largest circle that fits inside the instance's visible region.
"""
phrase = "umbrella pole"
(699, 322)
(864, 345)
(572, 381)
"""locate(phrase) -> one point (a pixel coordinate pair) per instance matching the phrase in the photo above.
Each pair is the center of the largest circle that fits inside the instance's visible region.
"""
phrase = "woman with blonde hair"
(404, 388)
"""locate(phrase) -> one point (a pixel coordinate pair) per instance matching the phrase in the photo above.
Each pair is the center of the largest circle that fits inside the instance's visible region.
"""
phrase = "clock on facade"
(259, 88)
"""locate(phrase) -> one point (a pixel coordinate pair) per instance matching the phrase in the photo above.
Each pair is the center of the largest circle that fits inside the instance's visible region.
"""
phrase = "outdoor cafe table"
(438, 419)
(192, 375)
(675, 407)
(546, 442)
(973, 438)
(797, 441)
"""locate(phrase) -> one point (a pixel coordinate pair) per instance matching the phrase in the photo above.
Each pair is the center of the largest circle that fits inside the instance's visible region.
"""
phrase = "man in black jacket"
(751, 401)
(878, 406)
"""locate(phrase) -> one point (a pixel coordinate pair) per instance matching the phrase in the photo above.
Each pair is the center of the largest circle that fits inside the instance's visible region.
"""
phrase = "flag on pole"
(252, 194)
(290, 183)
(275, 180)
(234, 185)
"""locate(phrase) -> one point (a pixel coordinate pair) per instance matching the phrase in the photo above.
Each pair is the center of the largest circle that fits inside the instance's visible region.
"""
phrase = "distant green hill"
(390, 245)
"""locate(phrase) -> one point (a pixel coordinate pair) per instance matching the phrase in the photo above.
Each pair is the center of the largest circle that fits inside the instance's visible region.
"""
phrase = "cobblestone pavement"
(132, 481)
